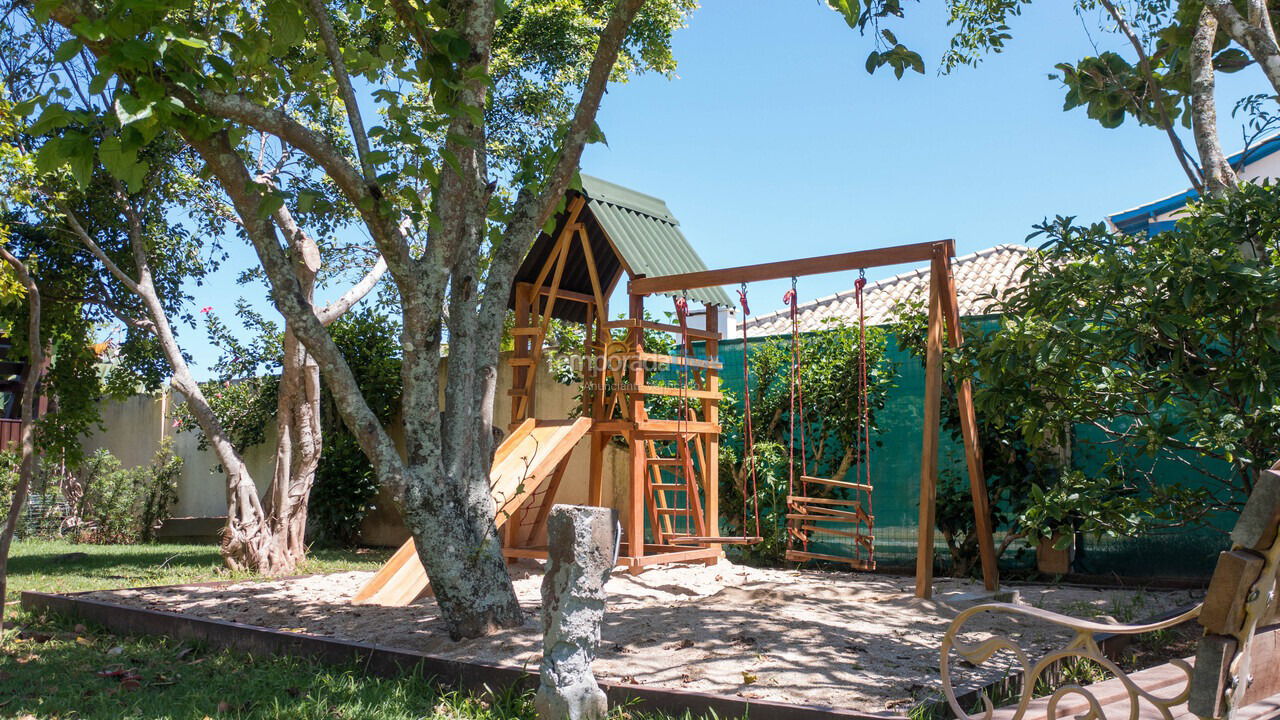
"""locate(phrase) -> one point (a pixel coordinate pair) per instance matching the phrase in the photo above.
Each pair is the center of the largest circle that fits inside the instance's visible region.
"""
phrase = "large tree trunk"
(450, 509)
(299, 442)
(37, 362)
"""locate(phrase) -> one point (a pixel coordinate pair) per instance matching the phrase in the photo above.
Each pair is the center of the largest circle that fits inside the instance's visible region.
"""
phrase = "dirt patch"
(850, 640)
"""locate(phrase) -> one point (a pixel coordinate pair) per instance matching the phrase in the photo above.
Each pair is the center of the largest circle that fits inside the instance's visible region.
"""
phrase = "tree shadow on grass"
(54, 668)
(124, 563)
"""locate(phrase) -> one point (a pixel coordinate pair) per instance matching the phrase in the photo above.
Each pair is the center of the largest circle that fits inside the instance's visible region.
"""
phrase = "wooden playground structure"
(671, 509)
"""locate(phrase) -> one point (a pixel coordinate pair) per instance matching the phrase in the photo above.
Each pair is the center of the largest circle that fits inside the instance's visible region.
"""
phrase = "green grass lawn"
(61, 566)
(52, 667)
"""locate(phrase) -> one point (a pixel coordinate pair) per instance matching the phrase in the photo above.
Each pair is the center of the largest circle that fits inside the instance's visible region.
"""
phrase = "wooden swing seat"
(855, 563)
(714, 539)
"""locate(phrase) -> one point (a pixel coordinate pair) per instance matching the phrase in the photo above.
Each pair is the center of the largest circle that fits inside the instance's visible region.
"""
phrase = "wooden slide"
(521, 463)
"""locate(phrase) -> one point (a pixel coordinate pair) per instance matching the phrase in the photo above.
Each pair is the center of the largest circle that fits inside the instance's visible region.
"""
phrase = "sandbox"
(855, 641)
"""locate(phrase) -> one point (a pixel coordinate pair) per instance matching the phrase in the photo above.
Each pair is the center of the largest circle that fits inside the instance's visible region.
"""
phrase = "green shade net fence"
(895, 472)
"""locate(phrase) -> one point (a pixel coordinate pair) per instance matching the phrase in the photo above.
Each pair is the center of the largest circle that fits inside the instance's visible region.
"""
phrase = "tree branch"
(1218, 175)
(354, 294)
(1259, 41)
(366, 197)
(1156, 92)
(30, 382)
(348, 94)
(533, 209)
(227, 166)
(97, 252)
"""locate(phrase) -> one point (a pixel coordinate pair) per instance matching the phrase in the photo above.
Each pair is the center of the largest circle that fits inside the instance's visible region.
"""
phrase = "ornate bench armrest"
(1082, 645)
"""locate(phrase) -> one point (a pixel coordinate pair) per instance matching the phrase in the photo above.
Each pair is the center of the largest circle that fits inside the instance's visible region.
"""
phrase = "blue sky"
(773, 142)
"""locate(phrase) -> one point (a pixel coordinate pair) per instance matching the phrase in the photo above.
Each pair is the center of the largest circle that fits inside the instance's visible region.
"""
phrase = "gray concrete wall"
(133, 429)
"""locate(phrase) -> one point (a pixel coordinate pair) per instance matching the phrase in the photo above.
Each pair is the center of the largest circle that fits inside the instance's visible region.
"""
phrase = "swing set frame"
(943, 320)
(670, 505)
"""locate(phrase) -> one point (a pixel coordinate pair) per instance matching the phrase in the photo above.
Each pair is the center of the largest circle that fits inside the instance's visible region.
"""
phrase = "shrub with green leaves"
(115, 504)
(829, 375)
(1164, 344)
(1167, 344)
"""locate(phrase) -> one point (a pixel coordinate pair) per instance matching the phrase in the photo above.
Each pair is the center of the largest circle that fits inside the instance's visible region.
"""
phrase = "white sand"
(855, 641)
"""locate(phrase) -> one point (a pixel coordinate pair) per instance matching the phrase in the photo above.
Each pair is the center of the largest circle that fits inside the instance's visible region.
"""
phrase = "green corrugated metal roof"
(646, 235)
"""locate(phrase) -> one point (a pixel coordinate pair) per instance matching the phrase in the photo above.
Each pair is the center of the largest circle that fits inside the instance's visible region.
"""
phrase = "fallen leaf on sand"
(748, 678)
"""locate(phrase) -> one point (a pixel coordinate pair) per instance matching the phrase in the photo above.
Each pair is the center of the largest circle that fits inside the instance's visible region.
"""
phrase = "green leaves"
(849, 9)
(130, 110)
(122, 162)
(1166, 343)
(1110, 89)
(54, 117)
(899, 57)
(1231, 60)
(67, 50)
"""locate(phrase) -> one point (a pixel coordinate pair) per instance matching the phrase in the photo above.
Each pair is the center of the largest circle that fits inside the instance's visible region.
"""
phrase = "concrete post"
(581, 544)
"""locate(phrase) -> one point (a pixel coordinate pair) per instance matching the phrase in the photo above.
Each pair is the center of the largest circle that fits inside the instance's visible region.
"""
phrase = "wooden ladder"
(838, 518)
(665, 491)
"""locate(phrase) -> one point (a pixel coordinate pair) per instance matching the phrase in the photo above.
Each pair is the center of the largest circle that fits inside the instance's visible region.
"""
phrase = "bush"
(114, 504)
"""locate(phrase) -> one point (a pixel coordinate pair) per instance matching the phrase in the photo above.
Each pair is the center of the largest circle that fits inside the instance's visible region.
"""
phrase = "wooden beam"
(591, 268)
(801, 556)
(929, 454)
(664, 327)
(836, 483)
(548, 499)
(595, 481)
(969, 429)
(551, 296)
(569, 295)
(575, 207)
(677, 392)
(658, 554)
(673, 427)
(523, 377)
(1264, 659)
(639, 466)
(670, 360)
(711, 414)
(860, 259)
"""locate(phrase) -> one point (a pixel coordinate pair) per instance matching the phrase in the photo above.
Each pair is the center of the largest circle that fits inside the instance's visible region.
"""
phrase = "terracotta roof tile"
(987, 272)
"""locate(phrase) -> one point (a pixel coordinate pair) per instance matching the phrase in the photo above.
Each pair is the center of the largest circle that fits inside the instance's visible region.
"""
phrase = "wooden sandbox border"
(393, 662)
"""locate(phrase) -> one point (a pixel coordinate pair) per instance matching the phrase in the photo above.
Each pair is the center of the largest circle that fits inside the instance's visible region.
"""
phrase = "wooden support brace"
(929, 452)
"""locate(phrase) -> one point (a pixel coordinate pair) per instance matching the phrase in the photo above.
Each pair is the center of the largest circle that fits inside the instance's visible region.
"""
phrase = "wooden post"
(595, 482)
(929, 456)
(523, 375)
(969, 432)
(711, 414)
(599, 441)
(639, 466)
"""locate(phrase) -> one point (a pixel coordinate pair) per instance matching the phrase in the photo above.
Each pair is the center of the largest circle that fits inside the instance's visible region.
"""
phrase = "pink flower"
(206, 309)
(176, 423)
